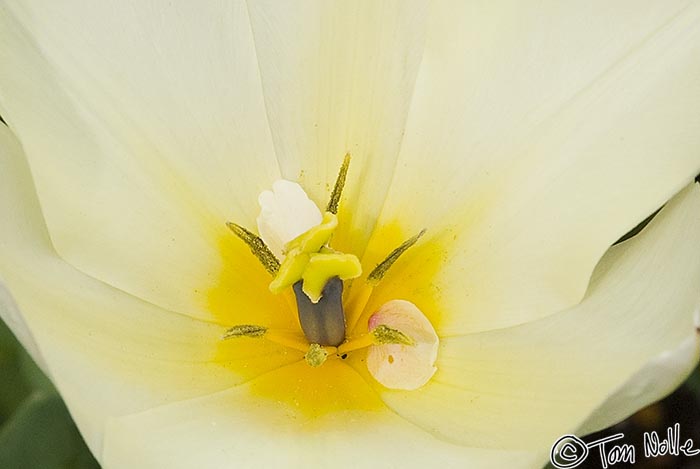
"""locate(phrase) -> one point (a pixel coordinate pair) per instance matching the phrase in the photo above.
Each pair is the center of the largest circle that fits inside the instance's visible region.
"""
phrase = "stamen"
(245, 330)
(378, 273)
(316, 356)
(384, 335)
(284, 338)
(380, 335)
(339, 185)
(322, 322)
(315, 238)
(257, 247)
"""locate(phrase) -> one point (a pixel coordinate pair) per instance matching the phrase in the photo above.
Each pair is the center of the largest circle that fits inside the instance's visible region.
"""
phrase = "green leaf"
(41, 434)
(13, 386)
(32, 374)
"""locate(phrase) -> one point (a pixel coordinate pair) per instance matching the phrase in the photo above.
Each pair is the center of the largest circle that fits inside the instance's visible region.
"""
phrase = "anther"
(316, 356)
(245, 330)
(257, 247)
(384, 335)
(378, 273)
(339, 185)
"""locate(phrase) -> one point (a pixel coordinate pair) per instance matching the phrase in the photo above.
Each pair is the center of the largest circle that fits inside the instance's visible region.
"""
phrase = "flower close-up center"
(396, 343)
(367, 233)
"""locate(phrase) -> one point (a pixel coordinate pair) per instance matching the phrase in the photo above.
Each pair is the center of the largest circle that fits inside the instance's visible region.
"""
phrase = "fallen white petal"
(398, 366)
(285, 213)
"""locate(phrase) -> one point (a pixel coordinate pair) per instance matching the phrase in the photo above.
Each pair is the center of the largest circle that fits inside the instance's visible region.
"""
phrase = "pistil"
(322, 322)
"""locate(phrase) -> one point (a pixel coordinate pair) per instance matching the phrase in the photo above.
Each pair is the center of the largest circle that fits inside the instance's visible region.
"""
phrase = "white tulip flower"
(521, 138)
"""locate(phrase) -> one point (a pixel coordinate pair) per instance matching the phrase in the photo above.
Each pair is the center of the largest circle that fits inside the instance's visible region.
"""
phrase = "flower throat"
(316, 273)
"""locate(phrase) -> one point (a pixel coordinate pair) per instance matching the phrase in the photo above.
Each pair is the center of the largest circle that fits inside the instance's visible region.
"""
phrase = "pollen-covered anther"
(381, 269)
(245, 330)
(285, 338)
(316, 356)
(385, 335)
(405, 346)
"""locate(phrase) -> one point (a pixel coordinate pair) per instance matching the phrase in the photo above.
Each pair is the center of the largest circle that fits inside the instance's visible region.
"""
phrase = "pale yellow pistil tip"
(315, 238)
(308, 258)
(322, 267)
(290, 272)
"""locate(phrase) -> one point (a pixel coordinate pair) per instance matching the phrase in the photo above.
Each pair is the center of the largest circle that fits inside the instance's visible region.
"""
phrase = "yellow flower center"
(315, 355)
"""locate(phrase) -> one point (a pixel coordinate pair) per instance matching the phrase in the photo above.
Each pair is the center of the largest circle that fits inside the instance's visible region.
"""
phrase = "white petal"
(13, 318)
(522, 387)
(145, 129)
(539, 133)
(108, 353)
(286, 212)
(237, 428)
(10, 314)
(400, 366)
(660, 376)
(338, 77)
